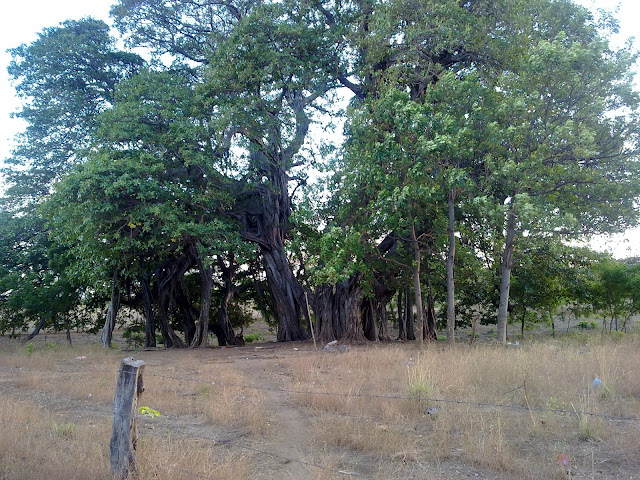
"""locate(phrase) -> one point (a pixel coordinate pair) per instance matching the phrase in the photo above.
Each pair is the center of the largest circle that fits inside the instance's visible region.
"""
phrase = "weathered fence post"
(129, 386)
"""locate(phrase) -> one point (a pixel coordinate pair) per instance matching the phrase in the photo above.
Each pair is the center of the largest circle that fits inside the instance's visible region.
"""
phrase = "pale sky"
(21, 20)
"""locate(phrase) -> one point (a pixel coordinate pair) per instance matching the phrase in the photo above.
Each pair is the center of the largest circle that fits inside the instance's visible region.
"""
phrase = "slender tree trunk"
(149, 324)
(430, 332)
(524, 316)
(402, 334)
(416, 282)
(112, 313)
(67, 326)
(200, 338)
(37, 329)
(505, 278)
(451, 306)
(408, 316)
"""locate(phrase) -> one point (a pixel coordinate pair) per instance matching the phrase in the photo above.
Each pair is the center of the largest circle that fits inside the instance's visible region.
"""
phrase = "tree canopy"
(480, 137)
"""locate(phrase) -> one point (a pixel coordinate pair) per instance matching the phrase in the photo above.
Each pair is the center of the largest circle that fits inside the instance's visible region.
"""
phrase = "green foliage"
(149, 411)
(508, 109)
(253, 337)
(134, 334)
(587, 325)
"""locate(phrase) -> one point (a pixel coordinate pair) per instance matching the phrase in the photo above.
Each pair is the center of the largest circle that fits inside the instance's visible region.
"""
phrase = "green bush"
(585, 325)
(253, 337)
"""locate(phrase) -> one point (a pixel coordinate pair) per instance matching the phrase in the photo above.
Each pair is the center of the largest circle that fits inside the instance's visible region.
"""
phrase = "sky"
(21, 20)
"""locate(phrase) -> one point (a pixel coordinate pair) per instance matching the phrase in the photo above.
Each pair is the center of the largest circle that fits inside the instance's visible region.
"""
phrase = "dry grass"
(57, 414)
(36, 443)
(523, 441)
(377, 409)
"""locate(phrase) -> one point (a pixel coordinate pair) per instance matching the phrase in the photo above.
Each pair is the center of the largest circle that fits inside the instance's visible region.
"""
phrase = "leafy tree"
(615, 292)
(65, 78)
(564, 145)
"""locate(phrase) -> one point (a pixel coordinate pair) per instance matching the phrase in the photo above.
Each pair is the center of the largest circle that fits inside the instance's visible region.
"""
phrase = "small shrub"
(134, 334)
(585, 325)
(253, 337)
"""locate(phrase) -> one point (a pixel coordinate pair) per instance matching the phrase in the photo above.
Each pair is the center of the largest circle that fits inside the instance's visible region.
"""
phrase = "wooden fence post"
(124, 436)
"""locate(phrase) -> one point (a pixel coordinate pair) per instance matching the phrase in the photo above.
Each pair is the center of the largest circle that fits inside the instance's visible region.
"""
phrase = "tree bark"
(150, 324)
(369, 319)
(384, 334)
(430, 332)
(338, 311)
(169, 336)
(402, 334)
(287, 294)
(112, 312)
(505, 278)
(451, 253)
(416, 282)
(200, 337)
(38, 327)
(408, 316)
(222, 328)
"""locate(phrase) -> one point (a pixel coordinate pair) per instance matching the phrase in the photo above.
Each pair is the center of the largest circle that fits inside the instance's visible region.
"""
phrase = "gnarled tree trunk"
(222, 327)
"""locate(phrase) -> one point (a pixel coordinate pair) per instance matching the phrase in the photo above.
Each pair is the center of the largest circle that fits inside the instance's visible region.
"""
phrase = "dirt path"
(290, 443)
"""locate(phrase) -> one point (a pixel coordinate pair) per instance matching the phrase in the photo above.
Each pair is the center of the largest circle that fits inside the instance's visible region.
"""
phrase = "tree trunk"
(430, 332)
(408, 316)
(338, 311)
(402, 334)
(200, 337)
(416, 282)
(451, 306)
(287, 295)
(170, 338)
(188, 315)
(112, 313)
(36, 330)
(384, 334)
(150, 325)
(67, 326)
(223, 329)
(505, 278)
(324, 307)
(369, 319)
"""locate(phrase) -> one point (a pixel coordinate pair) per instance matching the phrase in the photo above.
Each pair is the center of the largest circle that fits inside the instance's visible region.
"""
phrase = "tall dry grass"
(57, 407)
(424, 420)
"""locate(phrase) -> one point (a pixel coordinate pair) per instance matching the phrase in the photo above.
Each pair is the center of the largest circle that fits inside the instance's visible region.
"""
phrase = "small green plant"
(134, 334)
(149, 411)
(253, 337)
(29, 349)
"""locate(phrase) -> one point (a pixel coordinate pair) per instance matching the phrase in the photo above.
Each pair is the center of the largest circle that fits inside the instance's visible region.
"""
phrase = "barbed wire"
(520, 408)
(203, 437)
